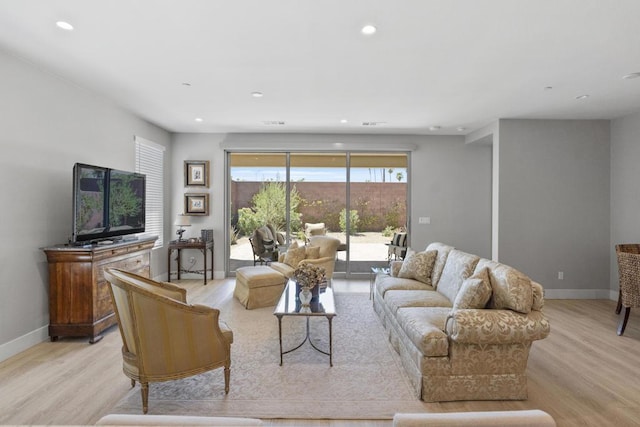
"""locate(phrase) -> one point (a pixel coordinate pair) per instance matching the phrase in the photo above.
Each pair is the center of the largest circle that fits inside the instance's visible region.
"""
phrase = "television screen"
(107, 203)
(89, 201)
(126, 202)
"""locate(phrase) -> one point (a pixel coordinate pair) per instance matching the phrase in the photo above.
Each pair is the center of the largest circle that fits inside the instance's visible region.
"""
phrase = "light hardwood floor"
(583, 374)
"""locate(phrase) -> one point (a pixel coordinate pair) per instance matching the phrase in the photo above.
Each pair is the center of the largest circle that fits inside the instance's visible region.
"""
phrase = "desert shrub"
(354, 221)
(394, 215)
(269, 207)
(388, 231)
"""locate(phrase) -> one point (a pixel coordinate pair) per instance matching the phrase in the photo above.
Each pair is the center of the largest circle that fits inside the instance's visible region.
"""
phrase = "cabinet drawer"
(104, 307)
(133, 264)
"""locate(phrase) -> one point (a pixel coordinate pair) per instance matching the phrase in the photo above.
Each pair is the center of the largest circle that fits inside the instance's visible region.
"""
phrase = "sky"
(315, 174)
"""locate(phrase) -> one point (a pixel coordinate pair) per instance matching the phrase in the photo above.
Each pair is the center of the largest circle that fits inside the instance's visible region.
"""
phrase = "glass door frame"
(287, 152)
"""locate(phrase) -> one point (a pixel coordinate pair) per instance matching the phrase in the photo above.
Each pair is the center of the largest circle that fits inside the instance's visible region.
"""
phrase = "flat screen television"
(107, 203)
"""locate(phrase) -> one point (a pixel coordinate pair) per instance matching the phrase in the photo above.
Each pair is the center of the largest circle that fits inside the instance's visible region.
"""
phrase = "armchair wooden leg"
(619, 306)
(144, 389)
(623, 322)
(227, 375)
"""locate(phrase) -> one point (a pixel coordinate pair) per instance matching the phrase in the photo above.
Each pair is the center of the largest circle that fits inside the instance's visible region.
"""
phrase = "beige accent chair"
(628, 256)
(317, 229)
(164, 338)
(327, 259)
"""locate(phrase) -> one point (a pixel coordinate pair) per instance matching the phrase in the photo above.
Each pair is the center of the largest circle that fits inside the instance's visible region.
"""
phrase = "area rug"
(366, 381)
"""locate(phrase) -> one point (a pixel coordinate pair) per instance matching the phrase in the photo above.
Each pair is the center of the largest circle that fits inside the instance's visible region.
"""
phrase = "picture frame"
(196, 204)
(196, 173)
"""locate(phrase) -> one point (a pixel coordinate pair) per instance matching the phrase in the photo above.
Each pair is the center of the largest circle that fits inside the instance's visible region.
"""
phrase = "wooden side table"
(178, 245)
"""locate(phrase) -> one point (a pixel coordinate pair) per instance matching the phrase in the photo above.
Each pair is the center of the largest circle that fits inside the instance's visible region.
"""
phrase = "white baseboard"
(580, 294)
(22, 343)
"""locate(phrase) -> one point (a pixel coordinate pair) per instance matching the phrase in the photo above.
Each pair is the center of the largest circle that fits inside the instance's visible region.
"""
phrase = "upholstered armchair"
(328, 248)
(628, 256)
(317, 229)
(321, 251)
(164, 338)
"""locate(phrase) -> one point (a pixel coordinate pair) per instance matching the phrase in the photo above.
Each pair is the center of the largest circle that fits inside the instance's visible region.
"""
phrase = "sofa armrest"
(487, 326)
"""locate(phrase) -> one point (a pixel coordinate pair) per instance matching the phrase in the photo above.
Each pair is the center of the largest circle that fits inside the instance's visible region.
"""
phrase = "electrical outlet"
(424, 220)
(192, 260)
(560, 275)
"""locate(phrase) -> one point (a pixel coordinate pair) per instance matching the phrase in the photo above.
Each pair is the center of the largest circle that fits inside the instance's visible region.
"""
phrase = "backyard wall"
(378, 204)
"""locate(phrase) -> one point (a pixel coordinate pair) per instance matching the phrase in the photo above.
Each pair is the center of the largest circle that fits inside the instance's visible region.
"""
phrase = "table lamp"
(182, 221)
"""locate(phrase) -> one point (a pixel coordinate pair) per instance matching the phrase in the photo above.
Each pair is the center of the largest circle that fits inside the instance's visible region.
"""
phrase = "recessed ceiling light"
(548, 87)
(257, 94)
(631, 76)
(368, 30)
(582, 97)
(434, 127)
(64, 25)
(461, 128)
(186, 84)
(198, 119)
(344, 121)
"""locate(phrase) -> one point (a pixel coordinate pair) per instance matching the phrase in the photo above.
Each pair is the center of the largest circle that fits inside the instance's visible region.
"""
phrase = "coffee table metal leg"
(330, 341)
(280, 336)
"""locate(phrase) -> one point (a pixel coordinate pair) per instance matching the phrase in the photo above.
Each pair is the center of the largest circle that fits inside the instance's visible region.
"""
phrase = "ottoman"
(258, 286)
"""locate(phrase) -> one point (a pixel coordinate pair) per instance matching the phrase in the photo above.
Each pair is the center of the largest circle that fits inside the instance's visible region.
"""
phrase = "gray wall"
(47, 124)
(450, 182)
(625, 187)
(554, 203)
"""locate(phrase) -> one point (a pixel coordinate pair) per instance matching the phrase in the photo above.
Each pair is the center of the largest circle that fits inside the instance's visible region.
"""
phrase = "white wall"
(450, 182)
(625, 188)
(554, 203)
(47, 124)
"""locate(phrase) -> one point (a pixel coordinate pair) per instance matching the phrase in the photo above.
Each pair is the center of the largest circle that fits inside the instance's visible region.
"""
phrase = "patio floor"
(367, 249)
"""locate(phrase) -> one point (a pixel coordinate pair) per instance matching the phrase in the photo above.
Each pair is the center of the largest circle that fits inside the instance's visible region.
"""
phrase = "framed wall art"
(196, 173)
(196, 204)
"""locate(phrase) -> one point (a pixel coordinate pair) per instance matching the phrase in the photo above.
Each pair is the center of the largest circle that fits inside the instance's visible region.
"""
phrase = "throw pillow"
(294, 256)
(418, 266)
(474, 292)
(293, 245)
(313, 252)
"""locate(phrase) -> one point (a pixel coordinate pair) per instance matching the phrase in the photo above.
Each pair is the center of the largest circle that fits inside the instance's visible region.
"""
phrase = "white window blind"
(150, 161)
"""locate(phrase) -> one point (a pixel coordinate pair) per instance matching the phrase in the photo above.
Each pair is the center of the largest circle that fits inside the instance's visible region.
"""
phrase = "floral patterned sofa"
(462, 325)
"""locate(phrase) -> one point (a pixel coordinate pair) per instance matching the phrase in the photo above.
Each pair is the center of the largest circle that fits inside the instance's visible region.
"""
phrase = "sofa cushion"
(511, 289)
(414, 298)
(424, 327)
(418, 265)
(475, 291)
(386, 283)
(294, 256)
(441, 259)
(459, 267)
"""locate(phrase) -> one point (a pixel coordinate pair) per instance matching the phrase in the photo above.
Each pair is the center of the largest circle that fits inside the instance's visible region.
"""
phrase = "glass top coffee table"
(322, 304)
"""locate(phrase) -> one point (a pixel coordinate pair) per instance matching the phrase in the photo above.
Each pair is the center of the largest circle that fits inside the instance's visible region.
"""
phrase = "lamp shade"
(182, 221)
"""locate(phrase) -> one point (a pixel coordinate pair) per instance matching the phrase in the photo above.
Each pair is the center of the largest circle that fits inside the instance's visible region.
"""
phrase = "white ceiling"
(448, 63)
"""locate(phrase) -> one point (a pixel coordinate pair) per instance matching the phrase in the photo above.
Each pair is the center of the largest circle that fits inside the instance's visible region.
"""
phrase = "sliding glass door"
(359, 198)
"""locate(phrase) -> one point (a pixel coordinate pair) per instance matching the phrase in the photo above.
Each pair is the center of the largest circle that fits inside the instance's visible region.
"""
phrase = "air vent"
(273, 123)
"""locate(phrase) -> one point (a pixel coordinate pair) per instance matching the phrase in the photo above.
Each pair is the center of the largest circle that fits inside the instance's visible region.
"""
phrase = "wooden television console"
(79, 299)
